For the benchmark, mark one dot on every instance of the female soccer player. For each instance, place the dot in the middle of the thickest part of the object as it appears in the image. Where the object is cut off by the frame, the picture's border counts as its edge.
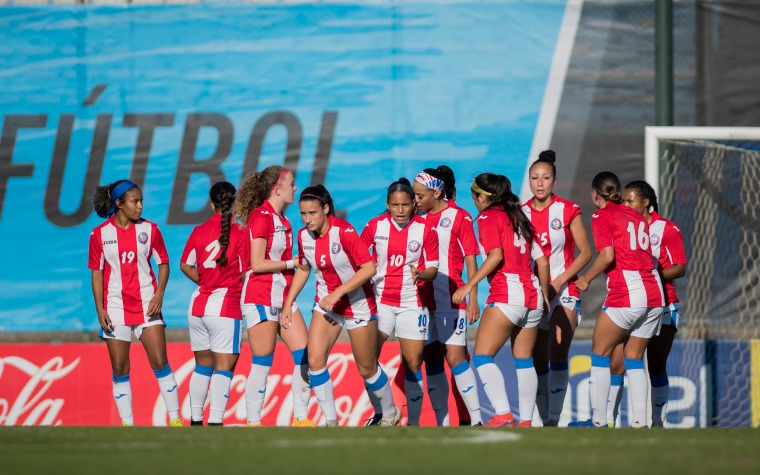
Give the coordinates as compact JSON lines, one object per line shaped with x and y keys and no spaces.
{"x":559,"y":230}
{"x":668,"y":250}
{"x":405,"y":250}
{"x":213,"y":258}
{"x":515,"y":303}
{"x":127,"y":296}
{"x":457,"y":248}
{"x":343,"y":268}
{"x":260,"y":205}
{"x":633,"y":307}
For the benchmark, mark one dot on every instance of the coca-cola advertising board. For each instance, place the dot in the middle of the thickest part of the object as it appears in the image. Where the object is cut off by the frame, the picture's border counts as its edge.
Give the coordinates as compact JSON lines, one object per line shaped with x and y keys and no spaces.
{"x":70,"y":384}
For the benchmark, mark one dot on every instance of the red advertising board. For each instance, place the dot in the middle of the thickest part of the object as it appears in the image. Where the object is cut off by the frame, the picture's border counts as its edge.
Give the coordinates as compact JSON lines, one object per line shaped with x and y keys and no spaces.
{"x":70,"y":384}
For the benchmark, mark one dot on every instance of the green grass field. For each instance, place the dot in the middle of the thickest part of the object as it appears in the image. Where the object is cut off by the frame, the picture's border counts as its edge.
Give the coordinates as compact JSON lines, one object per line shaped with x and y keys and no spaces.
{"x":361,"y":451}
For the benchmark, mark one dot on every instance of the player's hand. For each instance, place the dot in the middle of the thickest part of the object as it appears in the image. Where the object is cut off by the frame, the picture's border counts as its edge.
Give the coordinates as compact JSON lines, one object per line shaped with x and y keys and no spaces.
{"x":154,"y":307}
{"x":582,"y":283}
{"x":553,"y":290}
{"x":473,"y":311}
{"x":461,"y":294}
{"x":328,"y":302}
{"x":286,"y":317}
{"x":415,"y":273}
{"x":105,"y":321}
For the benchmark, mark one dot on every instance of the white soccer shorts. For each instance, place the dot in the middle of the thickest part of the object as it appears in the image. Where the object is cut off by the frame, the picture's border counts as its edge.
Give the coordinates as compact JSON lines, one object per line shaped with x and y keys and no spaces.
{"x":124,"y":332}
{"x":521,"y":316}
{"x":344,"y":322}
{"x":410,"y":323}
{"x":449,"y":327}
{"x":641,"y":322}
{"x":218,"y":334}
{"x":256,"y":313}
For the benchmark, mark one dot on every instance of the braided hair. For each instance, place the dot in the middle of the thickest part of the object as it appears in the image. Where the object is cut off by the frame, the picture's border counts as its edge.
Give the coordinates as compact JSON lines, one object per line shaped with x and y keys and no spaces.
{"x":646,"y":191}
{"x":222,"y":196}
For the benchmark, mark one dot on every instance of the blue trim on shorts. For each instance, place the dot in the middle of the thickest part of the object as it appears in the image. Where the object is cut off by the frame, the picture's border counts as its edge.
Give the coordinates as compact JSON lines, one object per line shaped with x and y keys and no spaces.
{"x":523,"y":363}
{"x":120,"y":379}
{"x":433,"y":369}
{"x":236,"y":340}
{"x":633,"y":364}
{"x":480,"y":360}
{"x":413,"y":377}
{"x":460,"y":368}
{"x":373,"y":317}
{"x":600,"y":361}
{"x":163,"y":372}
{"x":262,"y":312}
{"x":559,"y":366}
{"x":382,"y":380}
{"x":319,"y":379}
{"x":659,"y":380}
{"x":203,"y":370}
{"x":226,"y":374}
{"x":301,"y":357}
{"x":265,"y":360}
{"x":617,"y":379}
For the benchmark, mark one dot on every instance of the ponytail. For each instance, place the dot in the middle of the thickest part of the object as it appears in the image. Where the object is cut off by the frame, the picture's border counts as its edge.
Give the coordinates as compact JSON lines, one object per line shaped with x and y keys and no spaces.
{"x":255,"y":189}
{"x":222,"y":195}
{"x":498,"y":191}
{"x":607,"y":186}
{"x":105,"y":196}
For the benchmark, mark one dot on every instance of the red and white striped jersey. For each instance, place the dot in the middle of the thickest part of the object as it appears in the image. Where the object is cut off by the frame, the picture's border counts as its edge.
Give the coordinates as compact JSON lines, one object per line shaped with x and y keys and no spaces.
{"x":513,"y":281}
{"x":632,"y":280}
{"x":269,"y":288}
{"x":456,"y":240}
{"x":219,"y":288}
{"x":552,"y":225}
{"x":394,"y":249}
{"x":124,"y":257}
{"x":667,"y":249}
{"x":335,"y":258}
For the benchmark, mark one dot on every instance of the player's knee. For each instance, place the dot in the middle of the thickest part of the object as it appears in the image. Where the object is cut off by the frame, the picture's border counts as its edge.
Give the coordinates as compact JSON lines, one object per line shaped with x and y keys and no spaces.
{"x":367,"y":370}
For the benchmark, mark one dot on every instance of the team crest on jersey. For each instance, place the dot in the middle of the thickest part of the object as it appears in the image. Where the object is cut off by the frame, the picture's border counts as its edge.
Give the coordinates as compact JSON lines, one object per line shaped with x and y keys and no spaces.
{"x":414,"y":246}
{"x":556,"y":224}
{"x":142,"y":237}
{"x":335,"y":248}
{"x":654,"y":239}
{"x":445,"y":222}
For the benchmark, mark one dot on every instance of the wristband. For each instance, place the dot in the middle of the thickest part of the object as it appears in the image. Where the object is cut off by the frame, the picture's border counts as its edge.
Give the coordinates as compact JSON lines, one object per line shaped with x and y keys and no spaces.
{"x":289,"y":264}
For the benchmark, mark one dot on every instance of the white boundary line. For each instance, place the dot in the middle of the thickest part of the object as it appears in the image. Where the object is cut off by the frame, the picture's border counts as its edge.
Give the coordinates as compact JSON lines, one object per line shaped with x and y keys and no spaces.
{"x":653,"y":136}
{"x":555,"y":84}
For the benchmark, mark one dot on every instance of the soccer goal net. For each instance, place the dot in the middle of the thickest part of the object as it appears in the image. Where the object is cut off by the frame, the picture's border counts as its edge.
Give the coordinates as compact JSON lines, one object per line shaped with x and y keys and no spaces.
{"x":708,"y":182}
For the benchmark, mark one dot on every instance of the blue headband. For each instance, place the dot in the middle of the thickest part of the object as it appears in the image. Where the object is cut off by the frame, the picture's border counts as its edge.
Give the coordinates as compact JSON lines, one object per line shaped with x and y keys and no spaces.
{"x":117,"y":192}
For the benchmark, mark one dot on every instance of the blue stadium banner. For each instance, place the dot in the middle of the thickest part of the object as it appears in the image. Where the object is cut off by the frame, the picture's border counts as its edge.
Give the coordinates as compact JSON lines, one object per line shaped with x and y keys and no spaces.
{"x":352,"y":95}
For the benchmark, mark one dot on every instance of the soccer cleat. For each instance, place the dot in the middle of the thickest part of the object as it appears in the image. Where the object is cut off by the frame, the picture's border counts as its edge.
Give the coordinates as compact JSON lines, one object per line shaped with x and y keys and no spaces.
{"x":302,"y":423}
{"x":479,"y":424}
{"x":639,"y":425}
{"x":586,"y":423}
{"x":465,"y":422}
{"x":374,"y":420}
{"x":391,"y":421}
{"x":611,"y":425}
{"x":217,"y":424}
{"x":332,"y":423}
{"x":196,"y":423}
{"x":125,"y":424}
{"x":253,"y":424}
{"x":502,"y":420}
{"x":551,"y":423}
{"x":525,"y":424}
{"x":177,"y":423}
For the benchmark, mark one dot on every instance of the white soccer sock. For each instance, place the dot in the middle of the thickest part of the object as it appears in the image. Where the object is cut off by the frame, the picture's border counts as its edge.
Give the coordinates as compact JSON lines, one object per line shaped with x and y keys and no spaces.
{"x":599,"y":385}
{"x":199,"y":382}
{"x":414,"y":389}
{"x":526,"y":387}
{"x":299,"y":384}
{"x":468,"y":389}
{"x":637,"y":382}
{"x":493,"y":383}
{"x":542,"y":395}
{"x":122,"y":394}
{"x":380,"y":385}
{"x":219,"y":395}
{"x":558,"y":376}
{"x":256,"y":387}
{"x":660,"y":396}
{"x":438,"y":392}
{"x":615,"y":398}
{"x":168,"y":386}
{"x":323,"y":390}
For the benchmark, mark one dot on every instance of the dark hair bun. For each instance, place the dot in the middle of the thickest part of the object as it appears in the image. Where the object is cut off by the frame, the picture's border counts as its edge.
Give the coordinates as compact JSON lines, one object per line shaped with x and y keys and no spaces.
{"x":403,"y":181}
{"x":547,"y":156}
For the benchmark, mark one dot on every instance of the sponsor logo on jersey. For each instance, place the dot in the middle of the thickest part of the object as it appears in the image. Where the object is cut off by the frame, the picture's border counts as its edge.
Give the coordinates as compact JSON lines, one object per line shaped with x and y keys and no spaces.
{"x":335,"y":248}
{"x":445,"y":222}
{"x":556,"y":224}
{"x":280,"y":228}
{"x":654,"y":239}
{"x":109,"y":242}
{"x":308,"y":248}
{"x":414,"y":246}
{"x":381,"y":238}
{"x":142,"y":237}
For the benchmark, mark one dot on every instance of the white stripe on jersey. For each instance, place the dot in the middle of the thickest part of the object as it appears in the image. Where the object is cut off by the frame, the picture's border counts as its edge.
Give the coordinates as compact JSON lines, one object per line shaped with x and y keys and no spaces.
{"x":656,"y":228}
{"x":115,"y":302}
{"x":342,"y":265}
{"x":557,"y":239}
{"x":441,"y":288}
{"x":637,"y":294}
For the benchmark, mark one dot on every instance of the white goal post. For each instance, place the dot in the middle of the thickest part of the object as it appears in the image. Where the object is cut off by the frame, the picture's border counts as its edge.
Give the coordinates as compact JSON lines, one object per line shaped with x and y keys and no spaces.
{"x":654,"y":135}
